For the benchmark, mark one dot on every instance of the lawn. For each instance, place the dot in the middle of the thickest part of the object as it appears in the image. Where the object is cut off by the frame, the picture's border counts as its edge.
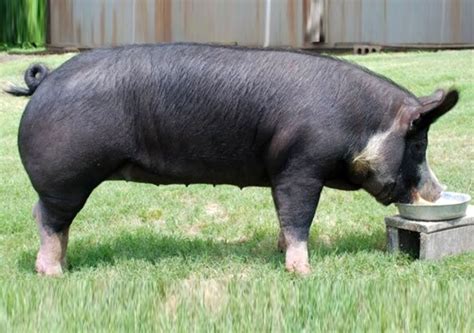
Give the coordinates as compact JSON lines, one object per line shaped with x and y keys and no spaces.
{"x":171,"y":258}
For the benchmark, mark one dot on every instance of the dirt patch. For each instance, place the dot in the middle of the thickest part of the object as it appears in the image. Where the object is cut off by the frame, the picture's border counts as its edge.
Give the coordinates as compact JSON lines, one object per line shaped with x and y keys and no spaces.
{"x":193,"y":230}
{"x":5,"y":57}
{"x":217,"y":211}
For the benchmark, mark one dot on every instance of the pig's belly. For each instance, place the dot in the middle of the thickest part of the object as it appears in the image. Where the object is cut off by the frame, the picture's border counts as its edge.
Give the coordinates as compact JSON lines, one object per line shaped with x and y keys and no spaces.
{"x":242,"y":175}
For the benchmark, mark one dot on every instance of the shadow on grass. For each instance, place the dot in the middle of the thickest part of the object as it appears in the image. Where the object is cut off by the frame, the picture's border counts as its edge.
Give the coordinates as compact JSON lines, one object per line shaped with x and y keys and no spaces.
{"x":151,"y":247}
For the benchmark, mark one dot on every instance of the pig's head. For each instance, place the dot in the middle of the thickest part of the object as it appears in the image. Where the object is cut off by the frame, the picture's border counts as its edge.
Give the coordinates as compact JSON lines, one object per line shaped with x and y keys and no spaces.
{"x":393,"y":166}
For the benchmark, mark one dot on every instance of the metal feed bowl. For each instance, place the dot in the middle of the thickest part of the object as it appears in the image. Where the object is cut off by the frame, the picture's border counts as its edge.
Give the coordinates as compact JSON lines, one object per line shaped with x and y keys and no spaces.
{"x":450,"y":205}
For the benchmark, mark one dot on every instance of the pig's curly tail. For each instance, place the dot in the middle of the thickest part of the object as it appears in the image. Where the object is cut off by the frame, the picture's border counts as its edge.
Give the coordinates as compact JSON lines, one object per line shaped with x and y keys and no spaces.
{"x":34,"y":75}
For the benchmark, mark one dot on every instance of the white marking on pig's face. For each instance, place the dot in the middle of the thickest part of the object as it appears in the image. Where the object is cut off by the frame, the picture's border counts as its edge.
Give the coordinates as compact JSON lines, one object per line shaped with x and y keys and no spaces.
{"x":378,"y":164}
{"x":371,"y":155}
{"x":382,"y":154}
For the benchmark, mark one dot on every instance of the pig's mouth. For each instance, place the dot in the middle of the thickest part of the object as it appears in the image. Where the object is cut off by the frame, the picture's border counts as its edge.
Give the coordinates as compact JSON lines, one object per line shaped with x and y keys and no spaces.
{"x":385,"y":196}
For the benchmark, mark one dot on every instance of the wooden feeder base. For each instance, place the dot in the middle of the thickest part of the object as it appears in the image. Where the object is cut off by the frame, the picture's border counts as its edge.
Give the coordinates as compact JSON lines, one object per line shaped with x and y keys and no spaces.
{"x":431,"y":240}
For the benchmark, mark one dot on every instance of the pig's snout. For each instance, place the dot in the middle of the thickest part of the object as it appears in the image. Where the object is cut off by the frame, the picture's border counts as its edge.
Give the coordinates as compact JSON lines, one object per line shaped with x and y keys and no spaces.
{"x":429,"y":191}
{"x":429,"y":188}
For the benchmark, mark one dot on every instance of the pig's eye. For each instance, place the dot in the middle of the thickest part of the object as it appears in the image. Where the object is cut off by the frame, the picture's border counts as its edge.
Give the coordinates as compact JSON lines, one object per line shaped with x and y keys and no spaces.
{"x":418,"y":146}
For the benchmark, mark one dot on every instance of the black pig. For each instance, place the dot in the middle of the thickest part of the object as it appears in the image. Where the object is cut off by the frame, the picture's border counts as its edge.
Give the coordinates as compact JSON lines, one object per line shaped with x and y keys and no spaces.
{"x":190,"y":113}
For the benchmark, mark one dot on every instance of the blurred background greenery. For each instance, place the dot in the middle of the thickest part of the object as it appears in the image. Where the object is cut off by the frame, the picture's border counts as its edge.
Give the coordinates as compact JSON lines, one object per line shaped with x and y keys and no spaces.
{"x":22,"y":23}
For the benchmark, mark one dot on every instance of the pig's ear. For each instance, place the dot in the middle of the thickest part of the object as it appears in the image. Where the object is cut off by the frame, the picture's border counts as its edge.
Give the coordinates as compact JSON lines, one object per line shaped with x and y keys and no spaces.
{"x":434,"y":106}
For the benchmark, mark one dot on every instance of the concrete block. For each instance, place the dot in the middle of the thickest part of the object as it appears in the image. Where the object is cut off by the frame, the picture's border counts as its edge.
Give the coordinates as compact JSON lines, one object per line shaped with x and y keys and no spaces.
{"x":431,"y":240}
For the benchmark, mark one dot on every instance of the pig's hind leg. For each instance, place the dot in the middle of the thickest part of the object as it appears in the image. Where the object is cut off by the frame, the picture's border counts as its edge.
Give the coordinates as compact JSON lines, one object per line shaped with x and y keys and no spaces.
{"x":296,"y":198}
{"x":54,"y":215}
{"x":63,"y":189}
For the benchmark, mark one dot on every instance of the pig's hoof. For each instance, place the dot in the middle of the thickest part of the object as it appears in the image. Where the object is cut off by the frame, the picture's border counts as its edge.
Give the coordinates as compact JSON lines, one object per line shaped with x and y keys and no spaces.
{"x":301,"y":269}
{"x":49,"y":269}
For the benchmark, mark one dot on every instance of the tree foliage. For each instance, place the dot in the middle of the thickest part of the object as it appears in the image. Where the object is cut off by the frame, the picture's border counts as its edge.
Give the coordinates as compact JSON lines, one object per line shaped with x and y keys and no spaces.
{"x":22,"y":23}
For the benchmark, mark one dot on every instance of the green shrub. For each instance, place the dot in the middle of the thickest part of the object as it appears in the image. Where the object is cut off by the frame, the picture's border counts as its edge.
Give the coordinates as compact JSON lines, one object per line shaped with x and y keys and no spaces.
{"x":22,"y":23}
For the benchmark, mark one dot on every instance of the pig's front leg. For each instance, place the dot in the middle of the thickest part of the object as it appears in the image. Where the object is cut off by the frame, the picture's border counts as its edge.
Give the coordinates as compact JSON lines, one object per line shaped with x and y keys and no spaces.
{"x":296,"y":199}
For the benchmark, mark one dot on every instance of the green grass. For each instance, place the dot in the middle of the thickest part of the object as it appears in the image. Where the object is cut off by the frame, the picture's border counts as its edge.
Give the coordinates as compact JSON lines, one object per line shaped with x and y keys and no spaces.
{"x":24,"y":50}
{"x":170,"y":258}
